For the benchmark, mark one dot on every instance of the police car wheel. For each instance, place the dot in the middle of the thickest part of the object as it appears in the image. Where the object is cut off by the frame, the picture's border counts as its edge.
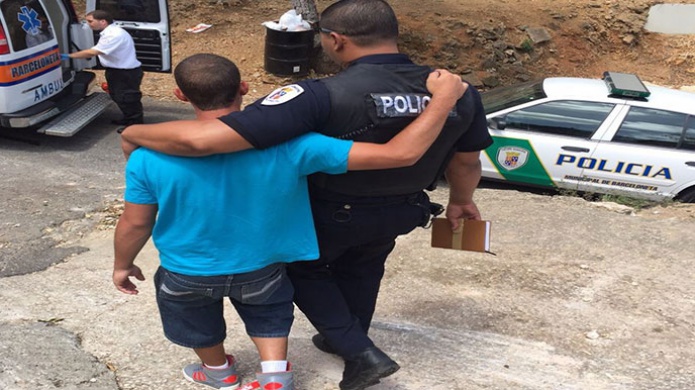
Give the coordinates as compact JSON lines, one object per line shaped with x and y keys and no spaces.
{"x":687,"y":196}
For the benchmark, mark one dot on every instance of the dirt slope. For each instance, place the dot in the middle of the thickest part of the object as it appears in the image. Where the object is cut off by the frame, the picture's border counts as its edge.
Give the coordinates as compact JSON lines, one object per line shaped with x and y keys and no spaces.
{"x":485,"y":41}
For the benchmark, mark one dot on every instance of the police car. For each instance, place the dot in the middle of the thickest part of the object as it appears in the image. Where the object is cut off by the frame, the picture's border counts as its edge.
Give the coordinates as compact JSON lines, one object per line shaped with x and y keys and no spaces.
{"x":609,"y":136}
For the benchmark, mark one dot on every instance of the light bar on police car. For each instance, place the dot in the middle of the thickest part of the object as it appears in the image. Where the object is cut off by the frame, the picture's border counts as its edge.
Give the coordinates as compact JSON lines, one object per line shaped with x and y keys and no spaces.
{"x":625,"y":85}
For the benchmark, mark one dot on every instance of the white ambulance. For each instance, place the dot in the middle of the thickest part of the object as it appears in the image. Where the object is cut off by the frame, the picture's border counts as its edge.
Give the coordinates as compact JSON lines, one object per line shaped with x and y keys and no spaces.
{"x":38,"y":91}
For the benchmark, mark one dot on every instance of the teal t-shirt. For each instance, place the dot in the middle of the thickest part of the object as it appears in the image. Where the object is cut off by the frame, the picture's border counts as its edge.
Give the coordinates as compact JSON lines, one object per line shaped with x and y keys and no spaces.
{"x":237,"y":212}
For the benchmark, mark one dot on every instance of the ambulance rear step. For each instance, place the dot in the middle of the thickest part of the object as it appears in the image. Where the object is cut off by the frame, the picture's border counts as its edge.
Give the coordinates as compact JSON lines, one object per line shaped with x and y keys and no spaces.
{"x":69,"y":123}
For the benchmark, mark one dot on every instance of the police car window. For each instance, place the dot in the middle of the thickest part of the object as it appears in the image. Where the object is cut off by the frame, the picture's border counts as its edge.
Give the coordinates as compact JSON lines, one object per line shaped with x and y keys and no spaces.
{"x":27,"y":24}
{"x":647,"y":126}
{"x":132,"y":10}
{"x":505,"y":97}
{"x":688,"y":142}
{"x":566,"y":117}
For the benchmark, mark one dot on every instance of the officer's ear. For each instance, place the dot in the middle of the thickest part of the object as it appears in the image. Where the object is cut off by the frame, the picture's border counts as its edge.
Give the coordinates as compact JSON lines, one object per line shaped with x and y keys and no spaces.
{"x":334,"y":41}
{"x":243,"y":88}
{"x":179,"y":95}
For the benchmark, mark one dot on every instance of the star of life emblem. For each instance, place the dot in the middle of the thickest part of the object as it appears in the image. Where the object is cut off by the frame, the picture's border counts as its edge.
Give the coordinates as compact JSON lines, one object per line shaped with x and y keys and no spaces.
{"x":30,"y":20}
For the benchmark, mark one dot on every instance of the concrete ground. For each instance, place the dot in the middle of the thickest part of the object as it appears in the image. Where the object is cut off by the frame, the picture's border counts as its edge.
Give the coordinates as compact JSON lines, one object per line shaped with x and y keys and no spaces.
{"x":577,"y":297}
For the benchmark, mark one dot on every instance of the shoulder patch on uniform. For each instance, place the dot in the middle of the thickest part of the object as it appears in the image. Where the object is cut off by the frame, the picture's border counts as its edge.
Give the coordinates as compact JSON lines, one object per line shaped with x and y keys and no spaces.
{"x":283,"y":95}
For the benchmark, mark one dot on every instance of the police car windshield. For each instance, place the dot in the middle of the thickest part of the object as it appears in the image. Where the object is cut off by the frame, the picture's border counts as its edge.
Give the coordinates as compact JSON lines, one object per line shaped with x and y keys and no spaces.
{"x":505,"y":97}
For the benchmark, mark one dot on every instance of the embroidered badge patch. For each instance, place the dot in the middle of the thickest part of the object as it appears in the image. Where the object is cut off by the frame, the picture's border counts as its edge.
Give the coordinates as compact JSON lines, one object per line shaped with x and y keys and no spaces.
{"x":282,"y":95}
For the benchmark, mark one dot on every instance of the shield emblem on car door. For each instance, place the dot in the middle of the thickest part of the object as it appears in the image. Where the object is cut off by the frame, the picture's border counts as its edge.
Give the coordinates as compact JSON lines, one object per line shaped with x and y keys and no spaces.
{"x":512,"y":157}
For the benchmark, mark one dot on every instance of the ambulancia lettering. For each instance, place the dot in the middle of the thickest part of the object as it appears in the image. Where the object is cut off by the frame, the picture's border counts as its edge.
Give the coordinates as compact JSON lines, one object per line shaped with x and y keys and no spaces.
{"x":625,"y":168}
{"x":48,"y":89}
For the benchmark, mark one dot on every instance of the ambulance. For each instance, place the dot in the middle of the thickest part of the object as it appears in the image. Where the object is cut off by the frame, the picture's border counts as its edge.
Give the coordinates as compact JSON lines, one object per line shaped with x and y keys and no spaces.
{"x":42,"y":93}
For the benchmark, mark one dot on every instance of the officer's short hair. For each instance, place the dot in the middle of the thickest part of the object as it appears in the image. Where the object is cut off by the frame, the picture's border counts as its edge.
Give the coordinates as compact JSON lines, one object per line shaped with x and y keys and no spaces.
{"x":366,"y":22}
{"x":209,"y":81}
{"x":100,"y":14}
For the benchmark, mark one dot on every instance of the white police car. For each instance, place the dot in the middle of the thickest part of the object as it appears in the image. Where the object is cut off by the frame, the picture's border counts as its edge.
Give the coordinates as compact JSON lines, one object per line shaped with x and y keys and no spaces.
{"x":610,"y":136}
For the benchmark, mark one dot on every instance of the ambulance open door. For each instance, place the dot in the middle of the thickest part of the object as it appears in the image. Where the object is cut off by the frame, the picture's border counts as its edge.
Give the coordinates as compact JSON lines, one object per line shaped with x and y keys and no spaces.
{"x":147,"y":21}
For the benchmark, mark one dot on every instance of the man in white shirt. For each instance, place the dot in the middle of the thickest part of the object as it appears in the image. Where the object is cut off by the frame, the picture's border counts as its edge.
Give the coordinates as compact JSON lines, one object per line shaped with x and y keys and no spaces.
{"x":116,"y":52}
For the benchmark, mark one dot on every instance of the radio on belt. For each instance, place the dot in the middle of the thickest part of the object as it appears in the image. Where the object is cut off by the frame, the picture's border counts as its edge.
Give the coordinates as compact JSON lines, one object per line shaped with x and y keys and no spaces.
{"x":625,"y":85}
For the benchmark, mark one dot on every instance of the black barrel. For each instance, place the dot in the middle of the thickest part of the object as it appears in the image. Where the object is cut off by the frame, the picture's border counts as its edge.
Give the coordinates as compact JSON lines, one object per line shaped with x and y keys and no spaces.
{"x":287,"y":53}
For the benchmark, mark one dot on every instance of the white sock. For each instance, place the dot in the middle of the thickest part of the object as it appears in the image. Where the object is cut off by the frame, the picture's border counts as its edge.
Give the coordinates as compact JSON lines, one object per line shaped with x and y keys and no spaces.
{"x":274,"y":366}
{"x":222,"y":367}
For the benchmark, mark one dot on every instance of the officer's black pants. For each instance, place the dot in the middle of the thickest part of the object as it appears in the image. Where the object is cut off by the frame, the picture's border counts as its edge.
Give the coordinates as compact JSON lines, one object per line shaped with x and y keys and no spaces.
{"x":124,"y":88}
{"x":338,"y":292}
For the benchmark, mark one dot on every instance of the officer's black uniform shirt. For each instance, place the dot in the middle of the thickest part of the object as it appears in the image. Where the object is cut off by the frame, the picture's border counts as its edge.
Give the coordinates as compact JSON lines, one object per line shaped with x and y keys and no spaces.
{"x":267,"y":125}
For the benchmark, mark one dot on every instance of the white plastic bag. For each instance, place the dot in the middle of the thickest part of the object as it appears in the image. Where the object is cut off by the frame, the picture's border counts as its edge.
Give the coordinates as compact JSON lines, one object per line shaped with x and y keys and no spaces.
{"x":289,"y":21}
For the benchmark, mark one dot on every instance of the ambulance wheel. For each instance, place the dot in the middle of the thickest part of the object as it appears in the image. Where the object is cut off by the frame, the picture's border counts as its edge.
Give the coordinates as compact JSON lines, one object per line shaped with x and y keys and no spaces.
{"x":687,"y":196}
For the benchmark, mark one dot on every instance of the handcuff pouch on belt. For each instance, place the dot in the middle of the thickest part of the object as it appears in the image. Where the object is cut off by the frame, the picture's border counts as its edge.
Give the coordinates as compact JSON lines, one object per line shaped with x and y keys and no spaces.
{"x":430,"y":209}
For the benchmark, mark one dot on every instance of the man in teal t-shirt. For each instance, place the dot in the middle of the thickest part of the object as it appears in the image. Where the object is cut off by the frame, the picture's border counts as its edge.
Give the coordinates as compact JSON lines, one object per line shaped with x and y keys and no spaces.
{"x":250,"y":208}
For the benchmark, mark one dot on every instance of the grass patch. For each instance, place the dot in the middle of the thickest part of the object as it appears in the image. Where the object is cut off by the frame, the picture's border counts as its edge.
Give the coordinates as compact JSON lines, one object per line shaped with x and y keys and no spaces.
{"x":526,"y":46}
{"x":635,"y":203}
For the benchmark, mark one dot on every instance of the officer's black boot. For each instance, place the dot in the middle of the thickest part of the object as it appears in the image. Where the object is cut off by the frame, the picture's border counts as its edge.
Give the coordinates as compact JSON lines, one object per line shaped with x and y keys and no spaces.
{"x":366,"y":368}
{"x":321,"y":344}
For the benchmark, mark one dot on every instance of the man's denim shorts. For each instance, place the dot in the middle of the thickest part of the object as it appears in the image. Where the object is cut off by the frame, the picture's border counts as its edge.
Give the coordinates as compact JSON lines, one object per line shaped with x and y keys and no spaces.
{"x":192,"y":307}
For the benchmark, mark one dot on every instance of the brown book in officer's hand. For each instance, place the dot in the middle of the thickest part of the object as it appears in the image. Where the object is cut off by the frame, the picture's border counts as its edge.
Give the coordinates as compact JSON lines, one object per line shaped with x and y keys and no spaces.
{"x":471,"y":235}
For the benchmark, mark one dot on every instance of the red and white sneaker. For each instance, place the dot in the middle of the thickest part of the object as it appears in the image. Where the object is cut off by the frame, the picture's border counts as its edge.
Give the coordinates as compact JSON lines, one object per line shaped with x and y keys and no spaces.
{"x":283,"y":380}
{"x":251,"y":386}
{"x":225,"y":379}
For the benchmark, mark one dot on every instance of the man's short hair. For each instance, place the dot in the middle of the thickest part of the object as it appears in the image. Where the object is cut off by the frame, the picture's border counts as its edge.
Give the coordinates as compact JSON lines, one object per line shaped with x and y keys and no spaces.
{"x":100,"y":14}
{"x":366,"y":22}
{"x":208,"y":81}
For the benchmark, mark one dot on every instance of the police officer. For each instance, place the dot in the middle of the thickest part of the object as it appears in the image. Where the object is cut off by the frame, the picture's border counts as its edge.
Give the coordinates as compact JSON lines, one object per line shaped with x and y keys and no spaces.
{"x":357,"y":215}
{"x":116,"y":51}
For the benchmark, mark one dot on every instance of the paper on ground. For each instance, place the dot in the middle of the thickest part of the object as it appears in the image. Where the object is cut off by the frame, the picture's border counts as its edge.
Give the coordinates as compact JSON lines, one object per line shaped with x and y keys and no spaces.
{"x":200,"y":27}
